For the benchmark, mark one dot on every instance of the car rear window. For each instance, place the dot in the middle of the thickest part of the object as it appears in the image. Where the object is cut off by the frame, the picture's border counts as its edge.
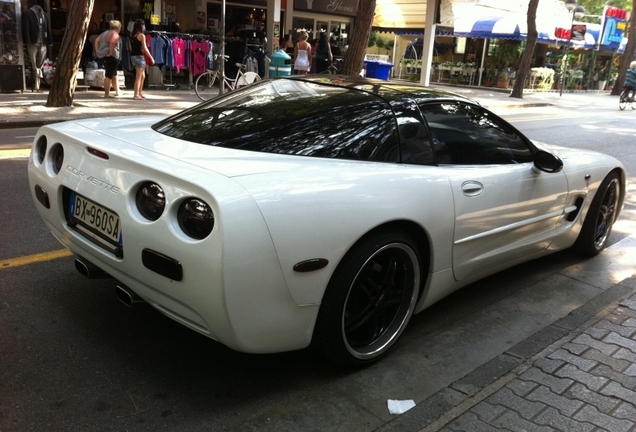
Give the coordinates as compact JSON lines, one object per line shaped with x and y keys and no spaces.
{"x":292,"y":117}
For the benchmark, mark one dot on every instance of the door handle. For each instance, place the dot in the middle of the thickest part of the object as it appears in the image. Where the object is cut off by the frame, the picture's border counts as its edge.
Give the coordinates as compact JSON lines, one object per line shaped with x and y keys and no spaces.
{"x":472,"y":188}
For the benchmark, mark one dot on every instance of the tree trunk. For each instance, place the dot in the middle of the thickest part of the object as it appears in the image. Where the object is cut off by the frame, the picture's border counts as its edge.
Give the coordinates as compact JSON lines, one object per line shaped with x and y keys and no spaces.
{"x":63,"y":86}
{"x":526,"y":58}
{"x":359,"y":39}
{"x":628,"y":55}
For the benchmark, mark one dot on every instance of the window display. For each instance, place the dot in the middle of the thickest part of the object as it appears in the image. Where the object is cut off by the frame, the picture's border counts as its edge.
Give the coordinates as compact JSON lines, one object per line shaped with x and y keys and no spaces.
{"x":9,"y":43}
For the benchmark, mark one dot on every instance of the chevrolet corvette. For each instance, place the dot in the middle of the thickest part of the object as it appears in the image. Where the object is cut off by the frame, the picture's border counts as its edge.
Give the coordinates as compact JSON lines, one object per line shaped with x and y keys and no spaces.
{"x":315,"y":211}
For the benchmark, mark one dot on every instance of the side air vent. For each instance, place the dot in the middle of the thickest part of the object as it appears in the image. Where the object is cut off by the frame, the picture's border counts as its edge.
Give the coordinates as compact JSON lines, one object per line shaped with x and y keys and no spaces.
{"x":574,"y":213}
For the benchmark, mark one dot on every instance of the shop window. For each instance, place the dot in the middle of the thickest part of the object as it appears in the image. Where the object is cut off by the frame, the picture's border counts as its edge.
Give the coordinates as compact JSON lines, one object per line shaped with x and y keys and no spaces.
{"x":460,"y":45}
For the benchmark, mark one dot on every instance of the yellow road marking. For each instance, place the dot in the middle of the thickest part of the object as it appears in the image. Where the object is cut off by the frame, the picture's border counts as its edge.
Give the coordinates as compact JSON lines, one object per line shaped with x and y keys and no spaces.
{"x":15,"y":153}
{"x":30,"y":259}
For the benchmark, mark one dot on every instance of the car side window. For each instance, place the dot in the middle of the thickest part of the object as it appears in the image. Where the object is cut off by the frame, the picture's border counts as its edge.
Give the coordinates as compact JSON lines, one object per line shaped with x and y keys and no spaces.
{"x":465,"y":134}
{"x":415,"y":143}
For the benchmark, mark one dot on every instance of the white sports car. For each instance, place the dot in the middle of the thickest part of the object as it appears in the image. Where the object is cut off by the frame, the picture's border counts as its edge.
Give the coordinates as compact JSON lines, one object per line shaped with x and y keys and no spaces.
{"x":319,"y":211}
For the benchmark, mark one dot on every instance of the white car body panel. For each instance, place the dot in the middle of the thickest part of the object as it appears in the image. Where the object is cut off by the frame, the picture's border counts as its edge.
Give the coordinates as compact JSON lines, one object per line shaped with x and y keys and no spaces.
{"x":273,"y":211}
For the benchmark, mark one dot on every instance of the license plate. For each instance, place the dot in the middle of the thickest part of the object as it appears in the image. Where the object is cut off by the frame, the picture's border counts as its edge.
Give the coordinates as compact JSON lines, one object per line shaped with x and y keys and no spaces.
{"x":99,"y":220}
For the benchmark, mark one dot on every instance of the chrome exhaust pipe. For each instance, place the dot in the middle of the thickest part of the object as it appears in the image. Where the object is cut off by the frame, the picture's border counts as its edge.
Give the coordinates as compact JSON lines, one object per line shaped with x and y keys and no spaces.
{"x":127,"y":296}
{"x":90,"y":270}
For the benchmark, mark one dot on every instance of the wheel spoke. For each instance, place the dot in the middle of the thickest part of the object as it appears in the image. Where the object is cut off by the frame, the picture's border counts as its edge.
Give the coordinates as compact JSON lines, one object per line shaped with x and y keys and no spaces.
{"x":605,"y":215}
{"x":376,"y":302}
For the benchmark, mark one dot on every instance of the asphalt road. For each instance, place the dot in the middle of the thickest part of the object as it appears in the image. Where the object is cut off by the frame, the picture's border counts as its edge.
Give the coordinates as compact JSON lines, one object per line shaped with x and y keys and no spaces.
{"x":74,"y":358}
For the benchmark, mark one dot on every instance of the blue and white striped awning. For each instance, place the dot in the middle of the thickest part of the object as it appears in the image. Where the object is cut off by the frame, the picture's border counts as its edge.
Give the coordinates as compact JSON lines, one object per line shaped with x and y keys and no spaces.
{"x":516,"y":28}
{"x":499,"y":27}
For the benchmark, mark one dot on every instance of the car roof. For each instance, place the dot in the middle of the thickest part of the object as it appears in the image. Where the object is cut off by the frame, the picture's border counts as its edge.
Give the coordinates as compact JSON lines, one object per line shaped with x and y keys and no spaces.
{"x":388,"y":90}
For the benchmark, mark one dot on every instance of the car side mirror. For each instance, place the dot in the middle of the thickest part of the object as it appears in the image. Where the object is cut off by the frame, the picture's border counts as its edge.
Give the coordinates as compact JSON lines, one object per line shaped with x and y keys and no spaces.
{"x":547,"y":162}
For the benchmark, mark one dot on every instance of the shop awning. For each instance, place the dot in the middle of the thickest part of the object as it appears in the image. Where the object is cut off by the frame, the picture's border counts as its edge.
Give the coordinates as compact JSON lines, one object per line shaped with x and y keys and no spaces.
{"x":473,"y":21}
{"x":499,"y":27}
{"x":439,"y":31}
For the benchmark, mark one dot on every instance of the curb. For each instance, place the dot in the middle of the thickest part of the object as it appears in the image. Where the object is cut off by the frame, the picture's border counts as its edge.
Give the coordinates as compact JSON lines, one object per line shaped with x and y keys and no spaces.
{"x":28,"y":123}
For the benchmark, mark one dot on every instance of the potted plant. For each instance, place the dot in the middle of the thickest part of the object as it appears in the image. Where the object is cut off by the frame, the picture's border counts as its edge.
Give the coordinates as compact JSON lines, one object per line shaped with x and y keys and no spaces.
{"x":504,"y":56}
{"x":602,"y":78}
{"x":491,"y":76}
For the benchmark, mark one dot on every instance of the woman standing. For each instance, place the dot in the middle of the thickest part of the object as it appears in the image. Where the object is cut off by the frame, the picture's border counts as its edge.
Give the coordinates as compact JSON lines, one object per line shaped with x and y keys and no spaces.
{"x":108,"y":48}
{"x":323,"y":53}
{"x":138,"y":48}
{"x":302,"y":54}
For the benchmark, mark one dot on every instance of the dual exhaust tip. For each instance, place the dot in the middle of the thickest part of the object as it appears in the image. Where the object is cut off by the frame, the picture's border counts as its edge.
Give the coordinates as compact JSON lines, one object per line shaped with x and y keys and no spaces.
{"x":122,"y":292}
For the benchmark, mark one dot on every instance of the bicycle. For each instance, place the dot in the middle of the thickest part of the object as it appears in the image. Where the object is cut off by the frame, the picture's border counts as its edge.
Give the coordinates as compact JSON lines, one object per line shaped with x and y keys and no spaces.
{"x":211,"y":78}
{"x":334,"y":67}
{"x":626,"y":97}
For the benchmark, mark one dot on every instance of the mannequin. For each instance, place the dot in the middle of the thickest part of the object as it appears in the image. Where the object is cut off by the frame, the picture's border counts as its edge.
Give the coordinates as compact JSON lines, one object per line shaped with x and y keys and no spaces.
{"x":37,"y":37}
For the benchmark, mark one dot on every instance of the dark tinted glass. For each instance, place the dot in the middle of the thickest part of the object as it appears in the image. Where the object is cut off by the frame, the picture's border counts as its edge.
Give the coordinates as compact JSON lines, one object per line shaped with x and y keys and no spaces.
{"x":292,"y":117}
{"x":469,"y":135}
{"x":415,"y":145}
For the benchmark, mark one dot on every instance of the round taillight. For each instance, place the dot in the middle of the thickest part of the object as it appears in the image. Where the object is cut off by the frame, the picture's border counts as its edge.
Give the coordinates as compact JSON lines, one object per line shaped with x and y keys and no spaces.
{"x":195,"y":218}
{"x":57,"y":157}
{"x":151,"y":201}
{"x":40,"y":149}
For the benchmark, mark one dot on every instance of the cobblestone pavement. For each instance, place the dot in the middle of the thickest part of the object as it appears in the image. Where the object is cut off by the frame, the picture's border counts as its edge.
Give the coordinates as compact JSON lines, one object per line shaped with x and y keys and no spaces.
{"x":586,"y":384}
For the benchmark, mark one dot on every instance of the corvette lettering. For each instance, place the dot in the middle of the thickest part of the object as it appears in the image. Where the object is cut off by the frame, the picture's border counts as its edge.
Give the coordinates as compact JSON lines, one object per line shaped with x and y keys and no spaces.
{"x":89,"y":178}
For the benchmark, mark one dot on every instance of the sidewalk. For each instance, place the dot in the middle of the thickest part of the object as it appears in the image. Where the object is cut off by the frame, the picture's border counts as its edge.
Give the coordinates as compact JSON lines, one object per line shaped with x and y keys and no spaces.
{"x":28,"y":109}
{"x":578,"y":374}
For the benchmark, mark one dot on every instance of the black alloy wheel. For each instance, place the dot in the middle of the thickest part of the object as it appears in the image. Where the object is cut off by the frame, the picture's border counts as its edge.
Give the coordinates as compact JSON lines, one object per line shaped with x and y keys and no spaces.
{"x":600,"y":218}
{"x":369,"y":300}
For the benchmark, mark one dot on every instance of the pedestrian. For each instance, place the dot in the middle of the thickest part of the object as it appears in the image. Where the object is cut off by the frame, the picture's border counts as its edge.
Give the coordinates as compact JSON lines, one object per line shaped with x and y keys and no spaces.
{"x":630,"y":79}
{"x":287,"y":45}
{"x":323,"y":54}
{"x":302,"y":54}
{"x":108,"y":48}
{"x":138,"y":48}
{"x":335,"y":50}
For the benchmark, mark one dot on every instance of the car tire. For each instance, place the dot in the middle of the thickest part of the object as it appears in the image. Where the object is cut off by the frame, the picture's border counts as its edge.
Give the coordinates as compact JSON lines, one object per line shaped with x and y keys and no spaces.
{"x":369,"y":300}
{"x":600,"y":218}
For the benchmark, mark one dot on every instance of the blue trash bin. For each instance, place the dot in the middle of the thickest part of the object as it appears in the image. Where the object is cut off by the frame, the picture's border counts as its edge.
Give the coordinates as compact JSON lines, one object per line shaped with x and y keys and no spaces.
{"x":372,"y":68}
{"x":280,"y":64}
{"x":383,"y":70}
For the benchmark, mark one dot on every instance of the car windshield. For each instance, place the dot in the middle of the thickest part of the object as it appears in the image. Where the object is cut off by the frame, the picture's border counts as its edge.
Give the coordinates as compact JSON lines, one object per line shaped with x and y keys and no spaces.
{"x":293,"y":117}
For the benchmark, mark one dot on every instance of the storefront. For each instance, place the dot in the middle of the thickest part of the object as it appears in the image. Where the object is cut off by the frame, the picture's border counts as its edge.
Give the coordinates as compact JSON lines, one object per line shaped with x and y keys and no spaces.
{"x":11,"y":50}
{"x":247,"y":20}
{"x":316,"y":16}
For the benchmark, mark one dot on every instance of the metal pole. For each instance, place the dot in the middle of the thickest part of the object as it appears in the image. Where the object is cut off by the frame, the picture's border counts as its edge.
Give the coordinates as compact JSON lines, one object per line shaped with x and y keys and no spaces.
{"x":565,"y":57}
{"x":484,"y":51}
{"x":565,"y":68}
{"x":222,"y":59}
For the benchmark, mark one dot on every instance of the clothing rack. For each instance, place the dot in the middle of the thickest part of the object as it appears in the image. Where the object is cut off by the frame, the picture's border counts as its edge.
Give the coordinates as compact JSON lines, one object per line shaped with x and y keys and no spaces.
{"x":186,"y":36}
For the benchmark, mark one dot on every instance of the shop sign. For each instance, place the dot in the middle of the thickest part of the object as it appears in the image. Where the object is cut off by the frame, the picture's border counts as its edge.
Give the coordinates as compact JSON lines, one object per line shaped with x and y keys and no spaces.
{"x":615,"y":26}
{"x":333,"y":7}
{"x":578,"y":32}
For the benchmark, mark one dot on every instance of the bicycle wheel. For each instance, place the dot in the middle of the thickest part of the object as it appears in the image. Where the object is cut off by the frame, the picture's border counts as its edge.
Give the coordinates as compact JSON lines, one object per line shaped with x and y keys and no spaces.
{"x":204,"y":85}
{"x":631,"y":101}
{"x":622,"y":101}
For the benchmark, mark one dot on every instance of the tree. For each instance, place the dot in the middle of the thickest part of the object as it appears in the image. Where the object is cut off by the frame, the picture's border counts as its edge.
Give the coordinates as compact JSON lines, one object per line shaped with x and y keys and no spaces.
{"x":373,"y":37}
{"x":628,"y":55}
{"x":526,"y":59}
{"x":594,"y":8}
{"x":388,"y":46}
{"x":360,"y":38}
{"x":63,"y":86}
{"x":380,"y":43}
